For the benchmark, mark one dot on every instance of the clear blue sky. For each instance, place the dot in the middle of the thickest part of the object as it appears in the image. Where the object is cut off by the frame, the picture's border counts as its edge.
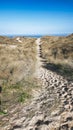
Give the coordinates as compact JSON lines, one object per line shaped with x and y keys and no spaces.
{"x":36,"y":16}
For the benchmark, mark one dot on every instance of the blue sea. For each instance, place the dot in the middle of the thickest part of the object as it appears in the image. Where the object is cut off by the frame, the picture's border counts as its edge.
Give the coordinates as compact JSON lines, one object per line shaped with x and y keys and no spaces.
{"x":36,"y":36}
{"x":33,"y":36}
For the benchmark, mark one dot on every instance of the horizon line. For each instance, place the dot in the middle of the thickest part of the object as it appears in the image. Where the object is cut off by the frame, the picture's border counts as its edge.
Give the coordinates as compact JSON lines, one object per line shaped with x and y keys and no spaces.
{"x":35,"y":34}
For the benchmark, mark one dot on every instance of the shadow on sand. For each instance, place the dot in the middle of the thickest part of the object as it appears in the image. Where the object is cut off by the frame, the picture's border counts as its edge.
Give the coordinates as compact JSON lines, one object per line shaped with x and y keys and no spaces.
{"x":63,"y":70}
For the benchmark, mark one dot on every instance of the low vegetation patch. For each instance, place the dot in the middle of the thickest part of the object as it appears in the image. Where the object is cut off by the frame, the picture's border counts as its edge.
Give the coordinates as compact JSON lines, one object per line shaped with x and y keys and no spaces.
{"x":17,"y":93}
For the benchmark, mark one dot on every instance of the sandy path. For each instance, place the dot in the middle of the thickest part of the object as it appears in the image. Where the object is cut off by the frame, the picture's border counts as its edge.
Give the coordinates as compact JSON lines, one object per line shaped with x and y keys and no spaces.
{"x":18,"y":39}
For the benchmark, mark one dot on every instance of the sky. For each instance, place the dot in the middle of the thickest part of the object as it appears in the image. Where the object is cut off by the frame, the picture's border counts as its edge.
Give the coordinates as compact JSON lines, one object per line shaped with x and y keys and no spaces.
{"x":36,"y":17}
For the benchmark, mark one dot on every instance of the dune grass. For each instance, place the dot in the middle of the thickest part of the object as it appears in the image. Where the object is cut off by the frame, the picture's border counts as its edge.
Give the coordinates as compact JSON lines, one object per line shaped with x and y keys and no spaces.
{"x":58,"y":53}
{"x":17,"y":66}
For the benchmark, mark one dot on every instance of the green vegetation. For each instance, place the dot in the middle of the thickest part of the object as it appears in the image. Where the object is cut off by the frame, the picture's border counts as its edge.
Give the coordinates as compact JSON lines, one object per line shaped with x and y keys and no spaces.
{"x":17,"y":93}
{"x":3,"y":113}
{"x":23,"y":97}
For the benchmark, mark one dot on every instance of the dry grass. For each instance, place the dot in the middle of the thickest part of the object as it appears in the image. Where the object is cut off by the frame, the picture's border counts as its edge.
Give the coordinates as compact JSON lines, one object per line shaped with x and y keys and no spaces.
{"x":17,"y":67}
{"x":17,"y":59}
{"x":58,"y":47}
{"x":58,"y":51}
